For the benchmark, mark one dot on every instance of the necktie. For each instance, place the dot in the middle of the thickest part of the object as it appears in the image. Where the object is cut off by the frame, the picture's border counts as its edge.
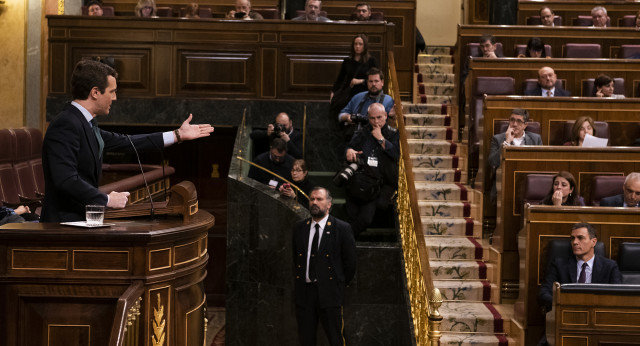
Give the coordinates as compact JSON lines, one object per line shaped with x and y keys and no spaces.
{"x":96,"y":130}
{"x":314,"y":254}
{"x":549,"y":93}
{"x":583,"y":274}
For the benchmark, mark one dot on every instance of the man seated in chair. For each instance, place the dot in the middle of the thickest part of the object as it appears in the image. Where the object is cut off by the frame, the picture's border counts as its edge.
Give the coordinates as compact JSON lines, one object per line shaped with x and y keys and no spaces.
{"x":363,"y":12}
{"x":312,"y":10}
{"x":583,"y":267}
{"x":547,"y":84}
{"x":631,"y":195}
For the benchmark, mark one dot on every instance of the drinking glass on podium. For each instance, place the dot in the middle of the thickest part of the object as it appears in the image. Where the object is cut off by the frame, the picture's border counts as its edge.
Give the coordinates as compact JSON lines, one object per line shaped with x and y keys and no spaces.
{"x":95,"y":214}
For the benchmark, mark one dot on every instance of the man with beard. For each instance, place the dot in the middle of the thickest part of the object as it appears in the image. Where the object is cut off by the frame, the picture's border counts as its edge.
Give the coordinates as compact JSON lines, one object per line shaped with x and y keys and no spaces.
{"x":275,"y":160}
{"x":281,"y":128}
{"x":312,"y":10}
{"x":363,"y":12}
{"x":324,"y":258}
{"x":360,"y":102}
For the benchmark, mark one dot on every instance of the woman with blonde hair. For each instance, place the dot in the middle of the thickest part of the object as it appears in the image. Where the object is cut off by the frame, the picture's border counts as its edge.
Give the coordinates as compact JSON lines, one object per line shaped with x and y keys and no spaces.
{"x":146,"y":8}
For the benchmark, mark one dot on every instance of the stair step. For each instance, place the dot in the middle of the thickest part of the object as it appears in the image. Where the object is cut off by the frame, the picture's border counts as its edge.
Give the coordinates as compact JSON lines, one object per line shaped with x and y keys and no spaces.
{"x":433,"y":68}
{"x":423,"y":108}
{"x":451,"y":175}
{"x":454,"y":248}
{"x":444,"y":99}
{"x":445,"y":209}
{"x":470,"y":317}
{"x":460,"y":270}
{"x":475,"y":339}
{"x":434,"y":226}
{"x":432,"y":132}
{"x":466,"y":290}
{"x":437,"y":191}
{"x":435,"y":50}
{"x":434,"y":147}
{"x":422,"y":162}
{"x":435,"y":89}
{"x":434,"y":78}
{"x":434,"y":59}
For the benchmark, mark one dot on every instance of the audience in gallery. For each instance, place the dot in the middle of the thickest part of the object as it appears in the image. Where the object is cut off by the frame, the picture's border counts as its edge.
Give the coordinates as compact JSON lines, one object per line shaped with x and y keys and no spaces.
{"x":352,"y":78}
{"x":547,"y":16}
{"x":547,"y":84}
{"x":563,"y":191}
{"x":300,"y":178}
{"x":630,"y":196}
{"x":281,"y":128}
{"x":146,"y":8}
{"x":192,"y":11}
{"x":604,"y":86}
{"x":535,"y":49}
{"x":312,"y":10}
{"x":599,"y":17}
{"x":94,"y":8}
{"x":243,"y":11}
{"x":581,"y":127}
{"x":488,"y":47}
{"x":275,"y":160}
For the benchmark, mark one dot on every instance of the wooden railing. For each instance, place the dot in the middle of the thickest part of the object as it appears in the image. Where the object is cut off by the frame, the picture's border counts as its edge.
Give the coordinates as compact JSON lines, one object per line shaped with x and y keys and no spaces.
{"x":424,"y":299}
{"x":126,"y":324}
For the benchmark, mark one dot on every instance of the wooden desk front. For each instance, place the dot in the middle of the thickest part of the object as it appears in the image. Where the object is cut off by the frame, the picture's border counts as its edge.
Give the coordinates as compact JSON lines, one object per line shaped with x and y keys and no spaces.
{"x":570,"y":10}
{"x":172,"y":57}
{"x":544,"y":223}
{"x":517,"y":162}
{"x":59,"y":285}
{"x":552,"y":113}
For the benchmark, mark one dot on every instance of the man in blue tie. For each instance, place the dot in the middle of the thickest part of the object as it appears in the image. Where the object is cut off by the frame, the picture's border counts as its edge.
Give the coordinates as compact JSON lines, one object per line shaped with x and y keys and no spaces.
{"x":324,"y":258}
{"x":583,"y":267}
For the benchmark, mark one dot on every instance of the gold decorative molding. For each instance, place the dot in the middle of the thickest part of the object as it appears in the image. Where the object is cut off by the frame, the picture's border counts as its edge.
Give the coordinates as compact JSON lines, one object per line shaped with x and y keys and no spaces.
{"x":159,"y":324}
{"x":60,"y":7}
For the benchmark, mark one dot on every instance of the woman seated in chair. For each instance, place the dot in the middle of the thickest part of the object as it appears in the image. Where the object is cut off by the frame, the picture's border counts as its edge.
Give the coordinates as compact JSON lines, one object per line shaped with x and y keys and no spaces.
{"x":563,"y":191}
{"x":584,"y":125}
{"x":299,"y":173}
{"x":146,"y":8}
{"x":604,"y":87}
{"x":535,"y":49}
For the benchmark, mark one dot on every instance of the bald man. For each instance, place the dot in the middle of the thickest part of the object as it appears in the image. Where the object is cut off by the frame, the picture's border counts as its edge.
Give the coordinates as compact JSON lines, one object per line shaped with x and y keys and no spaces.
{"x":282,"y":128}
{"x":547,"y":85}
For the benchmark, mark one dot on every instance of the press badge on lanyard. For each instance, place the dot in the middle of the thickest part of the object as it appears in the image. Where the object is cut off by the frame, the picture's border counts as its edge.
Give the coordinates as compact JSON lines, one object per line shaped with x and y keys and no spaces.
{"x":372,"y":161}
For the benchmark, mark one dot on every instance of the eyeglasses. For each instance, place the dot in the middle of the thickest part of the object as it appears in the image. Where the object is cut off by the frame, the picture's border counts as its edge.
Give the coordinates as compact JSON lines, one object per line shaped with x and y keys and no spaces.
{"x":516,"y":121}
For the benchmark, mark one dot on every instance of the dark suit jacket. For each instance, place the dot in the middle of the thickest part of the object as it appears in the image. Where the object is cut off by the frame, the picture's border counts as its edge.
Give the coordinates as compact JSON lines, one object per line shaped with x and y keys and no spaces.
{"x":336,"y":264}
{"x":261,"y":143}
{"x":530,"y":138}
{"x":283,"y":169}
{"x":565,"y":270}
{"x":613,"y":201}
{"x":538,"y":92}
{"x":72,"y":164}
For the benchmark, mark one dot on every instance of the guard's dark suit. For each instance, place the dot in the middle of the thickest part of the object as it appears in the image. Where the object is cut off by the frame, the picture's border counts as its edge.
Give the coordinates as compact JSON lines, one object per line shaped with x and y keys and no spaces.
{"x":72,"y":164}
{"x":335,"y":268}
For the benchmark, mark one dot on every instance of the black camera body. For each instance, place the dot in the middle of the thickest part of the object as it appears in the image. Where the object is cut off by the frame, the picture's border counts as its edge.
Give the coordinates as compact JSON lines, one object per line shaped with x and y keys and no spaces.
{"x":346,"y":173}
{"x":359,"y":119}
{"x":278,"y":129}
{"x":239,"y":15}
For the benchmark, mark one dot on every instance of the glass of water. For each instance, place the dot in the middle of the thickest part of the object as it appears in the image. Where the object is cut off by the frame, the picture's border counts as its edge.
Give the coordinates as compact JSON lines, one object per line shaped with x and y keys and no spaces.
{"x":95,"y":214}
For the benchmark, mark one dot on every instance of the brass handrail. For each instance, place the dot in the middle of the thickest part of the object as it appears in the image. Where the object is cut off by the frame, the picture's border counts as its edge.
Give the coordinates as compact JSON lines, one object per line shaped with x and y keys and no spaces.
{"x":424,"y":311}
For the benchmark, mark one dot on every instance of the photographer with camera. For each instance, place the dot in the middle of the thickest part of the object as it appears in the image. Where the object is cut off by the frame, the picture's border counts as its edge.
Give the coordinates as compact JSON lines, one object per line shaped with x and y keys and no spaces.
{"x":281,"y":128}
{"x":243,"y":11}
{"x":372,"y":177}
{"x":275,"y":160}
{"x":355,"y":112}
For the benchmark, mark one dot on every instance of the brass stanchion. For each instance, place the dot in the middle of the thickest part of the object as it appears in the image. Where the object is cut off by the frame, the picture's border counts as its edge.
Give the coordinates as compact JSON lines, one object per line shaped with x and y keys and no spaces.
{"x":435,"y":319}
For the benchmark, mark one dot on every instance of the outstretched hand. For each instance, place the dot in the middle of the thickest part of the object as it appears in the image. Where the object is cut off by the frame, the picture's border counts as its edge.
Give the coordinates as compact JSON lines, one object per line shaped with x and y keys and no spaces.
{"x":189,"y":132}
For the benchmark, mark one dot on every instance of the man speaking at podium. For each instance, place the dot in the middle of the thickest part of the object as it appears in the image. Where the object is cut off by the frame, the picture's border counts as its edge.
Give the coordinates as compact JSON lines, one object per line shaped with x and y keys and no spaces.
{"x":73,"y":145}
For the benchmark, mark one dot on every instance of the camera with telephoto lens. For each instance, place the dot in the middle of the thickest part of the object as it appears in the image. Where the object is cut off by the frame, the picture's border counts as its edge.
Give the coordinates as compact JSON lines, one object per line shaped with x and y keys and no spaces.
{"x":359,"y":119}
{"x":239,"y":15}
{"x":346,"y":173}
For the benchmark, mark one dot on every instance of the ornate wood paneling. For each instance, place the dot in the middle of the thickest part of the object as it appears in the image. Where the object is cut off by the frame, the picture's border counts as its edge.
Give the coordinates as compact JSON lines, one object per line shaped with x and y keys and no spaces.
{"x":212,"y":58}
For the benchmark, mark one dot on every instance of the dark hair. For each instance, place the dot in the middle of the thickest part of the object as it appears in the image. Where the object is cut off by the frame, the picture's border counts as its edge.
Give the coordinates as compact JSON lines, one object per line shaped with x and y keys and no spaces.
{"x":601,"y":81}
{"x":572,"y":199}
{"x":279,"y":144}
{"x":301,"y":163}
{"x":535,"y":44}
{"x":94,"y":2}
{"x":316,"y":188}
{"x":89,"y":74}
{"x":545,"y":7}
{"x":522,"y":112}
{"x":637,"y":15}
{"x":364,"y":57}
{"x":588,"y":226}
{"x":363,"y":4}
{"x":575,"y":130}
{"x":487,"y":37}
{"x":375,"y":71}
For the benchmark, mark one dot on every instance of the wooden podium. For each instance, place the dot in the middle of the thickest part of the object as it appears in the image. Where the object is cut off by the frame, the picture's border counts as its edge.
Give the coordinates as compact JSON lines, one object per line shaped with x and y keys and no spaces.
{"x":138,"y":282}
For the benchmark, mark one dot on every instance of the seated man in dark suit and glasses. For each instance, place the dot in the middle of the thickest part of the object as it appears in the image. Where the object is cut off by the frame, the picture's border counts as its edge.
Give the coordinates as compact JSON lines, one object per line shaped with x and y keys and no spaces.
{"x":631,"y":195}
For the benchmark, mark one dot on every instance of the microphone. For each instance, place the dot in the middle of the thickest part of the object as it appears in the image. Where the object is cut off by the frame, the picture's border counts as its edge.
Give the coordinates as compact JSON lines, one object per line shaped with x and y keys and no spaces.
{"x":143,"y":177}
{"x":164,"y":176}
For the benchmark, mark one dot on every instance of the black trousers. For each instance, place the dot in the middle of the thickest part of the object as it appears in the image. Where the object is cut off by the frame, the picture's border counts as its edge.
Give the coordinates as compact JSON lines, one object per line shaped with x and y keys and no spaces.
{"x":361,"y":213}
{"x":308,"y":316}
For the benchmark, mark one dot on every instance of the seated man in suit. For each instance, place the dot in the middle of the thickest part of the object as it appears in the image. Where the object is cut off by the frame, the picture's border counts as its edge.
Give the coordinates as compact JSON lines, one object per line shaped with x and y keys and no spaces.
{"x":547,"y":16}
{"x":583,"y":267}
{"x":514,"y":135}
{"x":631,"y":195}
{"x":547,"y":84}
{"x":599,"y":17}
{"x":312,"y":10}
